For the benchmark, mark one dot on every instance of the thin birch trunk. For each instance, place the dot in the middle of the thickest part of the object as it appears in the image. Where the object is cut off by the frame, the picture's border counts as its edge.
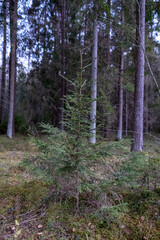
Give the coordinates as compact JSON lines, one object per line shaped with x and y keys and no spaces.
{"x":3,"y":83}
{"x":94,"y":84}
{"x":137,"y":144}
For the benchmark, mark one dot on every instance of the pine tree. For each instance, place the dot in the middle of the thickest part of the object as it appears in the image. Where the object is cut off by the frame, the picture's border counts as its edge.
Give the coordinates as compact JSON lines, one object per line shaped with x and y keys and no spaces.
{"x":121,"y":69}
{"x":3,"y":82}
{"x":139,"y":81}
{"x":13,"y":37}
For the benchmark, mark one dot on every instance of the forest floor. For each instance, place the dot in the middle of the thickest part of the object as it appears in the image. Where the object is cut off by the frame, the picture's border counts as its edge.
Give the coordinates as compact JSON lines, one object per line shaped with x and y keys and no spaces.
{"x":27,"y":210}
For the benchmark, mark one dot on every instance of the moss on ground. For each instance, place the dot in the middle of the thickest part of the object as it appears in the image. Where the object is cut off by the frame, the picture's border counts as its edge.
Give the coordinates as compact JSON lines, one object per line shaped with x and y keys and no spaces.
{"x":29,"y":209}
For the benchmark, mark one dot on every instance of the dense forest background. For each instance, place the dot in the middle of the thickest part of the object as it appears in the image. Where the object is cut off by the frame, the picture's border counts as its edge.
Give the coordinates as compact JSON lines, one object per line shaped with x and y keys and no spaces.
{"x":46,"y":44}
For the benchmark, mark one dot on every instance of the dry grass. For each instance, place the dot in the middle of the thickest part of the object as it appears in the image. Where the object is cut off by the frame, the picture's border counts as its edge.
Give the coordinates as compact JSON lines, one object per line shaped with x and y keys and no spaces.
{"x":27,"y":211}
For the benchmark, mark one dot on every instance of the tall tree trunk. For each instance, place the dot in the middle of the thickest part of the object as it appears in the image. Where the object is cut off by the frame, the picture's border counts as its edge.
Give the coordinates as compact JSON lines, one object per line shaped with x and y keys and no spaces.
{"x":3,"y":82}
{"x":45,"y":31}
{"x":121,"y":69}
{"x":62,"y":83}
{"x":108,"y":28}
{"x":137,"y":144}
{"x":94,"y":84}
{"x":108,"y":34}
{"x":120,"y":122}
{"x":13,"y":36}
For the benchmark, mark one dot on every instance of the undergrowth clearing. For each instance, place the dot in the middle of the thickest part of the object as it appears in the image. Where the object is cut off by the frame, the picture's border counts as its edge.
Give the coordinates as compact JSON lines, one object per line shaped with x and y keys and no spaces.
{"x":128,"y":208}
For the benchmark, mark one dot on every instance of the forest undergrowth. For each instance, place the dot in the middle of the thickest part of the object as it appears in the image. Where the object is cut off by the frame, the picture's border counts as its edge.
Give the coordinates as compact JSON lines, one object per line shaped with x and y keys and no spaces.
{"x":123,"y":204}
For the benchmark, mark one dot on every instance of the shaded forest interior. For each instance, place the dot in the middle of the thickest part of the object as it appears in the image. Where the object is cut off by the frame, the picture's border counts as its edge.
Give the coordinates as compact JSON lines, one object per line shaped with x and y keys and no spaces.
{"x":82,"y":79}
{"x":54,"y":42}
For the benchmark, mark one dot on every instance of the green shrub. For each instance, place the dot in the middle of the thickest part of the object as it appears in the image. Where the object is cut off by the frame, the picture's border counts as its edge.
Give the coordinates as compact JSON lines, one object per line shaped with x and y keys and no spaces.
{"x":139,"y":171}
{"x":108,"y":214}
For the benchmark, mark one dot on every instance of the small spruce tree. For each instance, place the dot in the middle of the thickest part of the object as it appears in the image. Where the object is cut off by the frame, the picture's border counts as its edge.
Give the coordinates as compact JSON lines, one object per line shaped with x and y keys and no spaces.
{"x":66,"y":158}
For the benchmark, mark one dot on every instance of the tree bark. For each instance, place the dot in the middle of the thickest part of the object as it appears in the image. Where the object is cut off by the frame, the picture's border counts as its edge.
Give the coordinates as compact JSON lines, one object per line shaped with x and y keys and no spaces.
{"x":13,"y":36}
{"x":108,"y":28}
{"x":121,"y":69}
{"x":108,"y":34}
{"x":137,"y":144}
{"x":120,"y":125}
{"x":62,"y":83}
{"x":3,"y":82}
{"x":94,"y":84}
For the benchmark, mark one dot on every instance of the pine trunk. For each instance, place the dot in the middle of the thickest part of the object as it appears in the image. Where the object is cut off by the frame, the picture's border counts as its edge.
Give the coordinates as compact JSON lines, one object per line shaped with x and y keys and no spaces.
{"x":13,"y":36}
{"x":120,"y":125}
{"x":121,"y":69}
{"x":108,"y":28}
{"x":137,"y":144}
{"x":3,"y":83}
{"x":108,"y":34}
{"x":62,"y":83}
